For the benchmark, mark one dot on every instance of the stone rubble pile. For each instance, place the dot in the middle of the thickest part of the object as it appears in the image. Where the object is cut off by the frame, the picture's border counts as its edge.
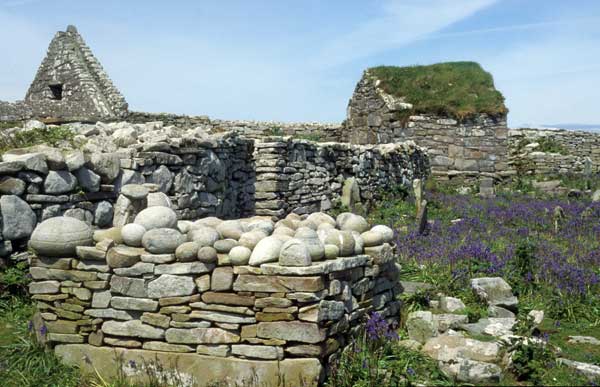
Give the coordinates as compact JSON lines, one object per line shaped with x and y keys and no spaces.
{"x":249,"y":288}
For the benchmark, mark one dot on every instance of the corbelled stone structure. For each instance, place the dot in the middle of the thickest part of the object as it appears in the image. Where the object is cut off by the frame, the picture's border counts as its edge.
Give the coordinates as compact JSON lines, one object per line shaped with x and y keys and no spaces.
{"x":70,"y":85}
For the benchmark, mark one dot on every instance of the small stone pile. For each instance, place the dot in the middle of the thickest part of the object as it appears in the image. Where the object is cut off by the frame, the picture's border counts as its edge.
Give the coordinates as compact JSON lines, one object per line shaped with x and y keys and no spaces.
{"x":225,"y":289}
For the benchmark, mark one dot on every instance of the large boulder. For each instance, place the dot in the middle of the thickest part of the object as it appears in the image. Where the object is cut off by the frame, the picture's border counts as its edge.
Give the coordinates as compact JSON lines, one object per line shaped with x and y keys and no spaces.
{"x":157,"y":217}
{"x":18,"y":219}
{"x":58,"y":237}
{"x":496,"y":291}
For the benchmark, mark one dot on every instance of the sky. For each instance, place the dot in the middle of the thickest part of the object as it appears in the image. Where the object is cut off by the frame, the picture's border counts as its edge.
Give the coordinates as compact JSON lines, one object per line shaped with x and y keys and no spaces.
{"x":300,"y":60}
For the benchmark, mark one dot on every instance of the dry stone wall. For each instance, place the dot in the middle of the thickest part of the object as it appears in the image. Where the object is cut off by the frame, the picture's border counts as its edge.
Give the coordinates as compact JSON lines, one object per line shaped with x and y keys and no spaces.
{"x":576,"y":152}
{"x":291,"y":291}
{"x":303,"y":177}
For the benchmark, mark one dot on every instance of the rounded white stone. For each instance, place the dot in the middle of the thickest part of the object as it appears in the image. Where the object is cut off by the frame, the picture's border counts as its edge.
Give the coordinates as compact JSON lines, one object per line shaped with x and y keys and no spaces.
{"x":240,"y":255}
{"x":250,"y":239}
{"x":230,"y":229}
{"x":157,"y":217}
{"x":58,"y":237}
{"x":319,"y":218}
{"x":204,"y":236}
{"x":162,"y":240}
{"x":348,"y":221}
{"x":385,"y":231}
{"x":267,"y":250}
{"x":372,"y":238}
{"x":207,"y":254}
{"x":132,"y":234}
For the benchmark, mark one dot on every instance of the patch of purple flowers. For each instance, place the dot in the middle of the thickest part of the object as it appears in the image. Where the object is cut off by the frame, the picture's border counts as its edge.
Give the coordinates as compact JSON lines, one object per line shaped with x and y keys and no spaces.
{"x":485,"y":240}
{"x":377,"y":328}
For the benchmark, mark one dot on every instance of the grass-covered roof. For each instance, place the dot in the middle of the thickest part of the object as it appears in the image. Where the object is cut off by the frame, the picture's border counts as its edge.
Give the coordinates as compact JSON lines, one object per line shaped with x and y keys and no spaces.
{"x":455,"y":89}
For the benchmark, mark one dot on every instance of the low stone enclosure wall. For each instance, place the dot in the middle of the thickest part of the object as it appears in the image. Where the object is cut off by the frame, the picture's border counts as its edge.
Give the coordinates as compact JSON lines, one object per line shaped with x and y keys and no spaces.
{"x":574,"y":150}
{"x":233,"y":301}
{"x":194,"y":172}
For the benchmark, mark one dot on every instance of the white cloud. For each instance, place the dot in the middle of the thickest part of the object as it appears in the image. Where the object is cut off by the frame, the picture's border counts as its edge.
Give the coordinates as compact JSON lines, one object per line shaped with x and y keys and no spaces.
{"x":402,"y":22}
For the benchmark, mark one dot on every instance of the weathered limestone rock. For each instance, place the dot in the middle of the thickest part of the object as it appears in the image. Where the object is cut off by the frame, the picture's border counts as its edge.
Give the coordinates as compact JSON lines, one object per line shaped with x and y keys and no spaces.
{"x":132,"y":287}
{"x":44,"y":287}
{"x":420,"y":326}
{"x":294,"y":253}
{"x":451,"y":304}
{"x":291,"y":330}
{"x":18,"y":220}
{"x":123,"y":256}
{"x":59,"y":236}
{"x":168,"y":285}
{"x":131,"y":303}
{"x":258,"y":351}
{"x":471,"y":371}
{"x":495,"y":291}
{"x":133,"y":328}
{"x":201,"y":336}
{"x":88,"y":180}
{"x":209,"y":369}
{"x":221,"y":279}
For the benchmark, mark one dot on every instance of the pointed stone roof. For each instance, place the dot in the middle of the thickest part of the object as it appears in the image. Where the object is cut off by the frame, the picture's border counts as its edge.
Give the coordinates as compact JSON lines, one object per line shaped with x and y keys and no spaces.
{"x":71,"y":84}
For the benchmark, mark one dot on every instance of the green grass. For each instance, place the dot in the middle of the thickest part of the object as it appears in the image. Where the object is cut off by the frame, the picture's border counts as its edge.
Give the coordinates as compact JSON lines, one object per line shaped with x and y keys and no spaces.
{"x":51,"y":136}
{"x":455,"y":89}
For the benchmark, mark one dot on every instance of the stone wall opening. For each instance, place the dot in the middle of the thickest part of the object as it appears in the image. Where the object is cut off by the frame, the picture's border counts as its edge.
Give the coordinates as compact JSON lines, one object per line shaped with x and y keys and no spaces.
{"x":56,"y":91}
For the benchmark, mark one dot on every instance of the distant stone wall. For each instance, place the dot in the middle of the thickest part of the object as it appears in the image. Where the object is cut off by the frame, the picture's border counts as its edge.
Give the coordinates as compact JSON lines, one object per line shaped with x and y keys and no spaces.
{"x":577,"y":148}
{"x":242,"y":293}
{"x":14,"y":111}
{"x":303,"y":177}
{"x":252,"y":129}
{"x":469,"y":147}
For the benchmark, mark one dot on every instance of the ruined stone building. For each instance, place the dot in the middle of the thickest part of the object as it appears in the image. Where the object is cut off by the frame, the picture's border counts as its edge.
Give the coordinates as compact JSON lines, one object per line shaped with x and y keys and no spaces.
{"x":70,"y":85}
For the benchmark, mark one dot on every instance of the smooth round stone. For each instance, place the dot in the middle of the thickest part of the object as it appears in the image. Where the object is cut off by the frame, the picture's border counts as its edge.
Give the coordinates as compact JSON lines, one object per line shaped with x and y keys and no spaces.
{"x":307,"y":224}
{"x":209,"y":221}
{"x":132,"y":234}
{"x":59,"y":236}
{"x":332,"y":251}
{"x":319,"y":218}
{"x":372,"y":238}
{"x":223,"y":246}
{"x":344,"y":240}
{"x":283,"y":230}
{"x":294,"y":253}
{"x":265,"y":226}
{"x":162,"y":240}
{"x":239,"y":255}
{"x":267,"y":250}
{"x":230,"y":229}
{"x":286,"y":223}
{"x":348,"y":221}
{"x":385,"y":231}
{"x":282,"y":237}
{"x":156,"y":217}
{"x":311,"y":240}
{"x":184,"y":226}
{"x":293,"y":217}
{"x":187,"y":252}
{"x":325,"y":226}
{"x":250,"y":239}
{"x":359,"y":243}
{"x":204,"y":236}
{"x":207,"y":254}
{"x":158,"y":199}
{"x":134,"y":191}
{"x":113,"y":233}
{"x":305,"y":233}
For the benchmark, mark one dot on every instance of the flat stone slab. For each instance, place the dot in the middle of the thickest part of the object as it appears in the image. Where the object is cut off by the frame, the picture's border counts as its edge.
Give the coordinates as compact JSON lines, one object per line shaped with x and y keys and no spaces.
{"x":324,"y":267}
{"x":201,"y":369}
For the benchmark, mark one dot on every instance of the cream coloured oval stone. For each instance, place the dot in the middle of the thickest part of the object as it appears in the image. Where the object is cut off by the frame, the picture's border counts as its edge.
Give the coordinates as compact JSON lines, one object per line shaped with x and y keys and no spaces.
{"x":59,"y":236}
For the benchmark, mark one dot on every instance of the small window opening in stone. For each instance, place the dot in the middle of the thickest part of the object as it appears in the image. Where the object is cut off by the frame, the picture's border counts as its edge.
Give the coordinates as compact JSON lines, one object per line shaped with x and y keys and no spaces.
{"x":57,"y":91}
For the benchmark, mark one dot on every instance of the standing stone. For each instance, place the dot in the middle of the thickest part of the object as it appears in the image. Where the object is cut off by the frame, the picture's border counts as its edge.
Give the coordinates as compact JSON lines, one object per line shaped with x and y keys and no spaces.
{"x":418,"y":191}
{"x":422,"y":224}
{"x":18,"y":219}
{"x":350,"y":193}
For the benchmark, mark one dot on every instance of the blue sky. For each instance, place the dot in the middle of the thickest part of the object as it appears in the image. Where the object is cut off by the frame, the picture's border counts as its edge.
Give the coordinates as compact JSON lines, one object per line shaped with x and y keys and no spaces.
{"x":300,"y":60}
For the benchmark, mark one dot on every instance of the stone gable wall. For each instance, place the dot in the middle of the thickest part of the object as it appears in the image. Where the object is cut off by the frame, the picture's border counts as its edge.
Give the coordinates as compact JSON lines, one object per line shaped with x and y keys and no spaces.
{"x":470,"y":147}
